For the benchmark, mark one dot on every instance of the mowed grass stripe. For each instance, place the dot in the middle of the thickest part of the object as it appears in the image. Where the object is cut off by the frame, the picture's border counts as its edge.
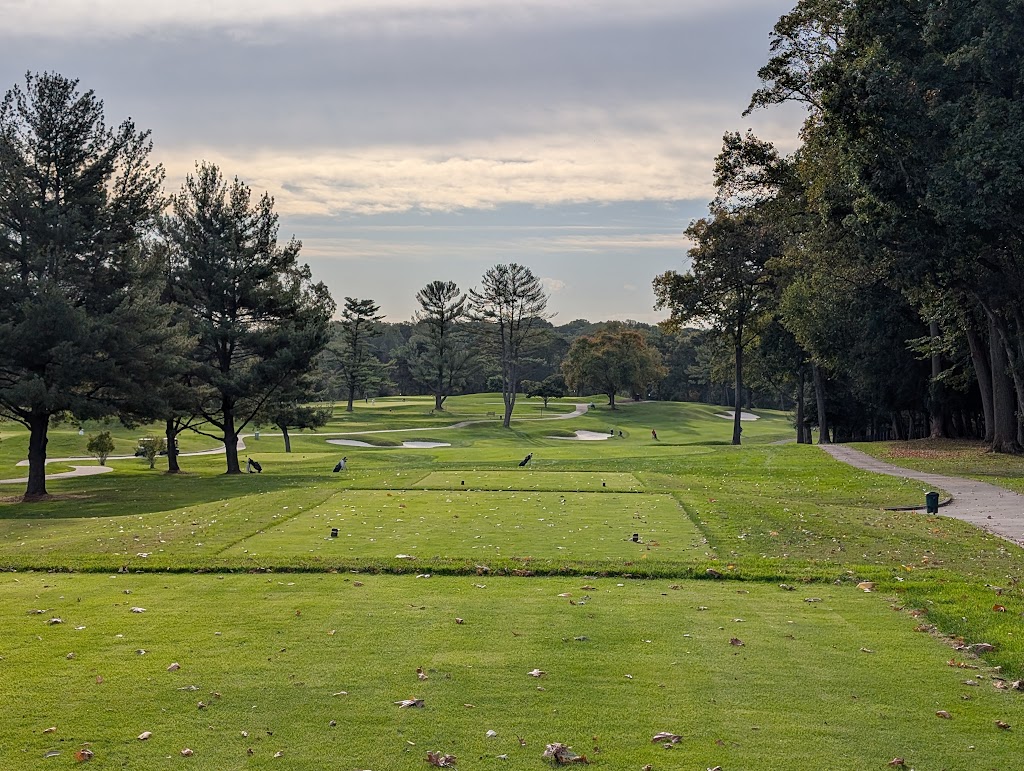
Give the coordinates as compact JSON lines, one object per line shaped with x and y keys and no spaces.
{"x":479,"y":525}
{"x":840,"y":683}
{"x":577,"y":481}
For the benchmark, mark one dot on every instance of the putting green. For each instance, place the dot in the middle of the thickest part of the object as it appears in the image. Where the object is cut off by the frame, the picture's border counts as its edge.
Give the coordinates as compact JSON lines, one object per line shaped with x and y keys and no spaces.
{"x":475,"y":524}
{"x":530,"y":480}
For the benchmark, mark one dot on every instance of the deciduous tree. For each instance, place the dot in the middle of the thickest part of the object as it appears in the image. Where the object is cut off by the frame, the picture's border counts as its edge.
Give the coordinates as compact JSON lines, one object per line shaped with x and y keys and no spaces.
{"x":613,"y":361}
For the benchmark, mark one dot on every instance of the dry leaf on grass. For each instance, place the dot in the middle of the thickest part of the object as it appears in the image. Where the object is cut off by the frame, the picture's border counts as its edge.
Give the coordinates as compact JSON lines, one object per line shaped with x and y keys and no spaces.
{"x":145,"y":735}
{"x":1001,"y":724}
{"x":187,"y":753}
{"x":866,"y":586}
{"x":666,"y":736}
{"x":440,"y":760}
{"x":138,"y":610}
{"x":536,"y":673}
{"x":999,"y":608}
{"x":943,"y":714}
{"x":897,"y":763}
{"x":420,"y":673}
{"x":562,"y":754}
{"x":736,"y":641}
{"x":174,"y":667}
{"x":84,"y":755}
{"x":406,"y":703}
{"x":50,"y":730}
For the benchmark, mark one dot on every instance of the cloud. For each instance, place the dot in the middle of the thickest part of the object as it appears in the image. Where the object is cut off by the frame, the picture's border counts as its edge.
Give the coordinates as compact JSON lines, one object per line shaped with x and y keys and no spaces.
{"x":553,"y":284}
{"x":112,"y":18}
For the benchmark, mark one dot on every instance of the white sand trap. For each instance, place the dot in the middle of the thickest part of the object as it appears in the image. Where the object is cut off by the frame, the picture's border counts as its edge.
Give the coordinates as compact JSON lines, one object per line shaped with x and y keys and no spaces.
{"x":743,"y":415}
{"x":584,"y":436}
{"x":413,"y":445}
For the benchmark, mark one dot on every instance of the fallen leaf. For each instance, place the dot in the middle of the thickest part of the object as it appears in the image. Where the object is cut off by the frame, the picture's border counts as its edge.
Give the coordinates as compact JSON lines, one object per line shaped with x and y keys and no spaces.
{"x":174,"y":667}
{"x":897,"y":763}
{"x":55,"y":620}
{"x":459,"y":621}
{"x":50,"y":730}
{"x":406,"y":703}
{"x":491,"y":734}
{"x":666,"y":736}
{"x":866,"y":650}
{"x":787,"y":587}
{"x":440,"y":760}
{"x":813,"y":599}
{"x":420,"y":673}
{"x":999,"y":608}
{"x":562,"y":754}
{"x":99,"y":679}
{"x":1001,"y":724}
{"x":187,"y":753}
{"x":867,"y":586}
{"x":536,"y":673}
{"x":279,"y":754}
{"x":736,"y":641}
{"x":145,"y":735}
{"x":84,"y":755}
{"x":357,"y":583}
{"x":943,"y":714}
{"x":340,"y":693}
{"x":138,"y":610}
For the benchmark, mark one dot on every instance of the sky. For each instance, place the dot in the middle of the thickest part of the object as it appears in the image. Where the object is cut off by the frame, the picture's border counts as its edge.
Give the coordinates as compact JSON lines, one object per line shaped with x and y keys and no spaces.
{"x":407,"y":141}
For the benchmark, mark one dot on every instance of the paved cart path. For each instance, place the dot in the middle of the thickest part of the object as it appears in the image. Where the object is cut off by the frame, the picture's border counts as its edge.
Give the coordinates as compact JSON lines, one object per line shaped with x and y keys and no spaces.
{"x":995,"y":509}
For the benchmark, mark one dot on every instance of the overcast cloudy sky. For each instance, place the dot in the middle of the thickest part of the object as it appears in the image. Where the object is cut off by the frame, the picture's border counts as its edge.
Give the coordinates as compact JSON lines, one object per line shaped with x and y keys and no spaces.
{"x":413,"y":140}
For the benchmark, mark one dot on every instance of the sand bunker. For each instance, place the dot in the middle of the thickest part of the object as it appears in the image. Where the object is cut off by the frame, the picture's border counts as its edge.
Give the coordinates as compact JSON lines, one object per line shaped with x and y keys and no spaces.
{"x":743,"y":415}
{"x":413,"y":445}
{"x":584,"y":436}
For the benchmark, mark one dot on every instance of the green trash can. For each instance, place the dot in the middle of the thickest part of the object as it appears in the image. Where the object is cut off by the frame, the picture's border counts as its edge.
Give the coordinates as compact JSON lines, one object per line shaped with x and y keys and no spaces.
{"x":931,"y":502}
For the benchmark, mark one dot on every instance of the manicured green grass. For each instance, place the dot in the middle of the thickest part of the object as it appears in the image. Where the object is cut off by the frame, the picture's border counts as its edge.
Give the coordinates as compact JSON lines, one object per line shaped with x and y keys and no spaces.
{"x":594,"y":528}
{"x":795,"y":695}
{"x":840,"y":683}
{"x":958,"y":458}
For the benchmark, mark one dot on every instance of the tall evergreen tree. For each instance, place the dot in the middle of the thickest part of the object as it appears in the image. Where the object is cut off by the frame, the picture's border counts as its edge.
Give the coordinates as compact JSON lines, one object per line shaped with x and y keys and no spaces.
{"x":510,"y":305}
{"x":353,"y":361}
{"x":441,"y":340}
{"x":81,"y":328}
{"x":257,"y":317}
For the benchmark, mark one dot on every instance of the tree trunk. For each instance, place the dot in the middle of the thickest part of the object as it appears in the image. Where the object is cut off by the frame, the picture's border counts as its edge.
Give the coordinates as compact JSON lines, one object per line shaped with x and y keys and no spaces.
{"x":819,"y":395}
{"x":801,"y":437}
{"x":1004,"y":433}
{"x":983,"y":373}
{"x":936,"y":402}
{"x":287,"y":438}
{"x":351,"y":398}
{"x":737,"y":429}
{"x":611,"y":400}
{"x":438,"y":402}
{"x":172,"y":447}
{"x":231,"y":441}
{"x":38,"y":423}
